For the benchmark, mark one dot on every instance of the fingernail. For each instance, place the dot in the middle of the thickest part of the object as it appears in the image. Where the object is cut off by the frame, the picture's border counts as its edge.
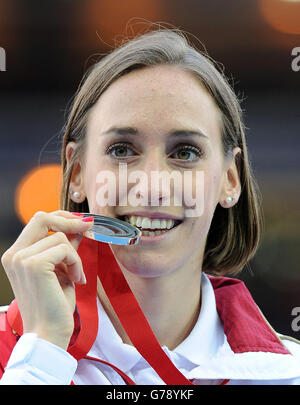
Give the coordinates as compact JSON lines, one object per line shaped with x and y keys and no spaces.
{"x":87,"y":219}
{"x":83,"y":279}
{"x":78,"y":214}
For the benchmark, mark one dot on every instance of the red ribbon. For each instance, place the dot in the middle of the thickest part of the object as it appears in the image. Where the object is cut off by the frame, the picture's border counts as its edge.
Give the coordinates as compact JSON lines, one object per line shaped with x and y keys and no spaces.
{"x":98,"y":259}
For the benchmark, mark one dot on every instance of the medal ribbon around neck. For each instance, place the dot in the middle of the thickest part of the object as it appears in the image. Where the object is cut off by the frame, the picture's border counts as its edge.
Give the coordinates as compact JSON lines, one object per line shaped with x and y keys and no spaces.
{"x":98,"y":260}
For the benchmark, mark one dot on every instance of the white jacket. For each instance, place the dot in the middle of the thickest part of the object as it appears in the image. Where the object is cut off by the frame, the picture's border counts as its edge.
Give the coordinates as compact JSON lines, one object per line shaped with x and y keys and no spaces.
{"x":230,"y":341}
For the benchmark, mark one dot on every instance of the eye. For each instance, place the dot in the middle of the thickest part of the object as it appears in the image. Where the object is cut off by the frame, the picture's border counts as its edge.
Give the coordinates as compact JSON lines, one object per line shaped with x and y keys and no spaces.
{"x":187,"y":153}
{"x":120,"y":150}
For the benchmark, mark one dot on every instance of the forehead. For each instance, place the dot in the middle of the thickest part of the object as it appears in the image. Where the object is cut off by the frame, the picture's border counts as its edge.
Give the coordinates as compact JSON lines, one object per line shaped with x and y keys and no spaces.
{"x":156,"y":95}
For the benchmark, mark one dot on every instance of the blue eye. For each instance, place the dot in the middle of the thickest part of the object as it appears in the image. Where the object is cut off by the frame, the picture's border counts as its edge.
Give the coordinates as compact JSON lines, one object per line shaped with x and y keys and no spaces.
{"x":120,"y":150}
{"x":187,"y":153}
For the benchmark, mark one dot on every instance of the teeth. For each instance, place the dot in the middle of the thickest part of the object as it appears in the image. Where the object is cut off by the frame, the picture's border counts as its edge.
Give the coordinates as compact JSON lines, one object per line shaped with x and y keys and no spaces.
{"x":148,"y":223}
{"x":155,"y":224}
{"x":132,"y":220}
{"x":163,"y":223}
{"x":170,"y":223}
{"x":151,"y":233}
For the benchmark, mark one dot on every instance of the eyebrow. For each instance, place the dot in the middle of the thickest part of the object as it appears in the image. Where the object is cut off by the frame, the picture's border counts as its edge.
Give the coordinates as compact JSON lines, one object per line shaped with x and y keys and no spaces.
{"x":134,"y":131}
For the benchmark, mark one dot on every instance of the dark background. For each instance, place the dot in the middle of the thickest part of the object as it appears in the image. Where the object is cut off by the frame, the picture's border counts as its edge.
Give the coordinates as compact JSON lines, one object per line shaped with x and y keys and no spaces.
{"x":50,"y":44}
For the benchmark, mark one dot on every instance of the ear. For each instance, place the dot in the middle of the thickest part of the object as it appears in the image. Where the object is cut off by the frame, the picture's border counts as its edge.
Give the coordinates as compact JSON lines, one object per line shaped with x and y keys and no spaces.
{"x":231,"y":188}
{"x":76,"y":188}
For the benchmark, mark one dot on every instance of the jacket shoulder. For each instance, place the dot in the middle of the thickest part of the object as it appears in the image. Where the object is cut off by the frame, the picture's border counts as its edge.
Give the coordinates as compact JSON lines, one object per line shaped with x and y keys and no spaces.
{"x":3,"y":309}
{"x":8,"y":339}
{"x":292,"y":344}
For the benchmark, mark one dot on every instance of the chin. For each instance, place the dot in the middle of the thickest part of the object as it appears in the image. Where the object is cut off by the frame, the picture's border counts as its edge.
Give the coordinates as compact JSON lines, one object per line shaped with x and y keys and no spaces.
{"x":145,"y":263}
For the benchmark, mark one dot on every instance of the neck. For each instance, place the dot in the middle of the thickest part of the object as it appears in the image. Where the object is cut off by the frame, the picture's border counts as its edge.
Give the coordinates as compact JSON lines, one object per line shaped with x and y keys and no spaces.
{"x":171,"y":305}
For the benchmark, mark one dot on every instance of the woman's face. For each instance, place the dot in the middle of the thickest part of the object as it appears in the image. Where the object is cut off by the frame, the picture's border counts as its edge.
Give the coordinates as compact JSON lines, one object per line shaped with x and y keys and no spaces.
{"x":157,"y":119}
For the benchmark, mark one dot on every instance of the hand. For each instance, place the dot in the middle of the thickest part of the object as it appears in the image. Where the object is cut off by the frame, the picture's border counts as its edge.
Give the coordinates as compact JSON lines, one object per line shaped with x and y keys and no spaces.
{"x":42,"y":270}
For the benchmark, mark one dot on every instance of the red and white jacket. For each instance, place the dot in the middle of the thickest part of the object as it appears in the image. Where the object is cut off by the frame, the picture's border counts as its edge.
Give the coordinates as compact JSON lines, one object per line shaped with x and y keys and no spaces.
{"x":252,"y":353}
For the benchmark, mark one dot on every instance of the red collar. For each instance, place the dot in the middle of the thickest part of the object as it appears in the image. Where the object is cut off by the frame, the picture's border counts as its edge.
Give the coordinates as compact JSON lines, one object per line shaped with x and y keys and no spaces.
{"x":244,"y":325}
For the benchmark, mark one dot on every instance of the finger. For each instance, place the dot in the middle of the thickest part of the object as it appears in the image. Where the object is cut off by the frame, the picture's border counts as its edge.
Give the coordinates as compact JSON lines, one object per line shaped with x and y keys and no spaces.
{"x":50,"y":241}
{"x":68,"y":214}
{"x":44,"y":244}
{"x":41,"y":223}
{"x":74,"y":239}
{"x":47,"y":260}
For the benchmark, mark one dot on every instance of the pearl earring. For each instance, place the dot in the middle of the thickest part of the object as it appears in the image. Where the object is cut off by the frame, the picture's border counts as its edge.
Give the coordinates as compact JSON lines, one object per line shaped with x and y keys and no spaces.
{"x":75,"y":194}
{"x":229,"y":200}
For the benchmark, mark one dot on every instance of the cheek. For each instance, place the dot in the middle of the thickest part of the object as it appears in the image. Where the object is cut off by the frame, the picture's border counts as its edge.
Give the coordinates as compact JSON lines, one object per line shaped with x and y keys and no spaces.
{"x":95,"y":188}
{"x":213,"y":179}
{"x":200,"y":192}
{"x":211,"y":187}
{"x":198,"y":227}
{"x":102,"y":190}
{"x":211,"y":196}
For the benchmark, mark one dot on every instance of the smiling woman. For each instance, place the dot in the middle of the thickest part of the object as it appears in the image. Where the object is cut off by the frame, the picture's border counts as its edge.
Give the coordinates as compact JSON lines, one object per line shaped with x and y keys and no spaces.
{"x":184,"y":69}
{"x":167,"y":314}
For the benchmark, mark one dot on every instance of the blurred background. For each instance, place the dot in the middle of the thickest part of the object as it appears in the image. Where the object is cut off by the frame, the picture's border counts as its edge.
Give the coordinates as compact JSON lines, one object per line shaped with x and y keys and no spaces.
{"x":49,"y":45}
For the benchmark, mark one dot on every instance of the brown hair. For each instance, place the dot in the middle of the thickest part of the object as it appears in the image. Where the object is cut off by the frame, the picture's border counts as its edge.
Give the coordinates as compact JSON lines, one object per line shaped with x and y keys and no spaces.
{"x":235,"y":232}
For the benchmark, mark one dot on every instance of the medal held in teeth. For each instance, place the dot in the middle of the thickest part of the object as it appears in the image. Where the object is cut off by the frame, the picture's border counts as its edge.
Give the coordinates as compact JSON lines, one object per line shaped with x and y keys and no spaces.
{"x":112,"y":230}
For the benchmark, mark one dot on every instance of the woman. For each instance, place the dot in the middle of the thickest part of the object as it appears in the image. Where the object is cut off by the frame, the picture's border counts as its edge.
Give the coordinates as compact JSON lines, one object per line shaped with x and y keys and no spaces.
{"x":155,"y":104}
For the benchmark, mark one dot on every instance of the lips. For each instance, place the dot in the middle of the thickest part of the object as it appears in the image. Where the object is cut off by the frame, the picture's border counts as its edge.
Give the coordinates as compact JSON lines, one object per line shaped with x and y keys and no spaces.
{"x":151,"y":215}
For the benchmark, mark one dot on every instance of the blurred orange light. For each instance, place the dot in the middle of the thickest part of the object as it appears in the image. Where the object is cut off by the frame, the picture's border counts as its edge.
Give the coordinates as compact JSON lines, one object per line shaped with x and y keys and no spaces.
{"x":38,"y":190}
{"x":282,"y":15}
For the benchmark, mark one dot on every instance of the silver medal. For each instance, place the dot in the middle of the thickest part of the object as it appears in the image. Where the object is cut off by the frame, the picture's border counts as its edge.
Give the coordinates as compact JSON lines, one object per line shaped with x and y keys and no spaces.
{"x":112,"y":230}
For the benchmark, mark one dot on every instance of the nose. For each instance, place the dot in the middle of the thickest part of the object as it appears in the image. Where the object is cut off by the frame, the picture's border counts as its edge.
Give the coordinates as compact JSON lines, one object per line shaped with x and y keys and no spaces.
{"x":153,"y":188}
